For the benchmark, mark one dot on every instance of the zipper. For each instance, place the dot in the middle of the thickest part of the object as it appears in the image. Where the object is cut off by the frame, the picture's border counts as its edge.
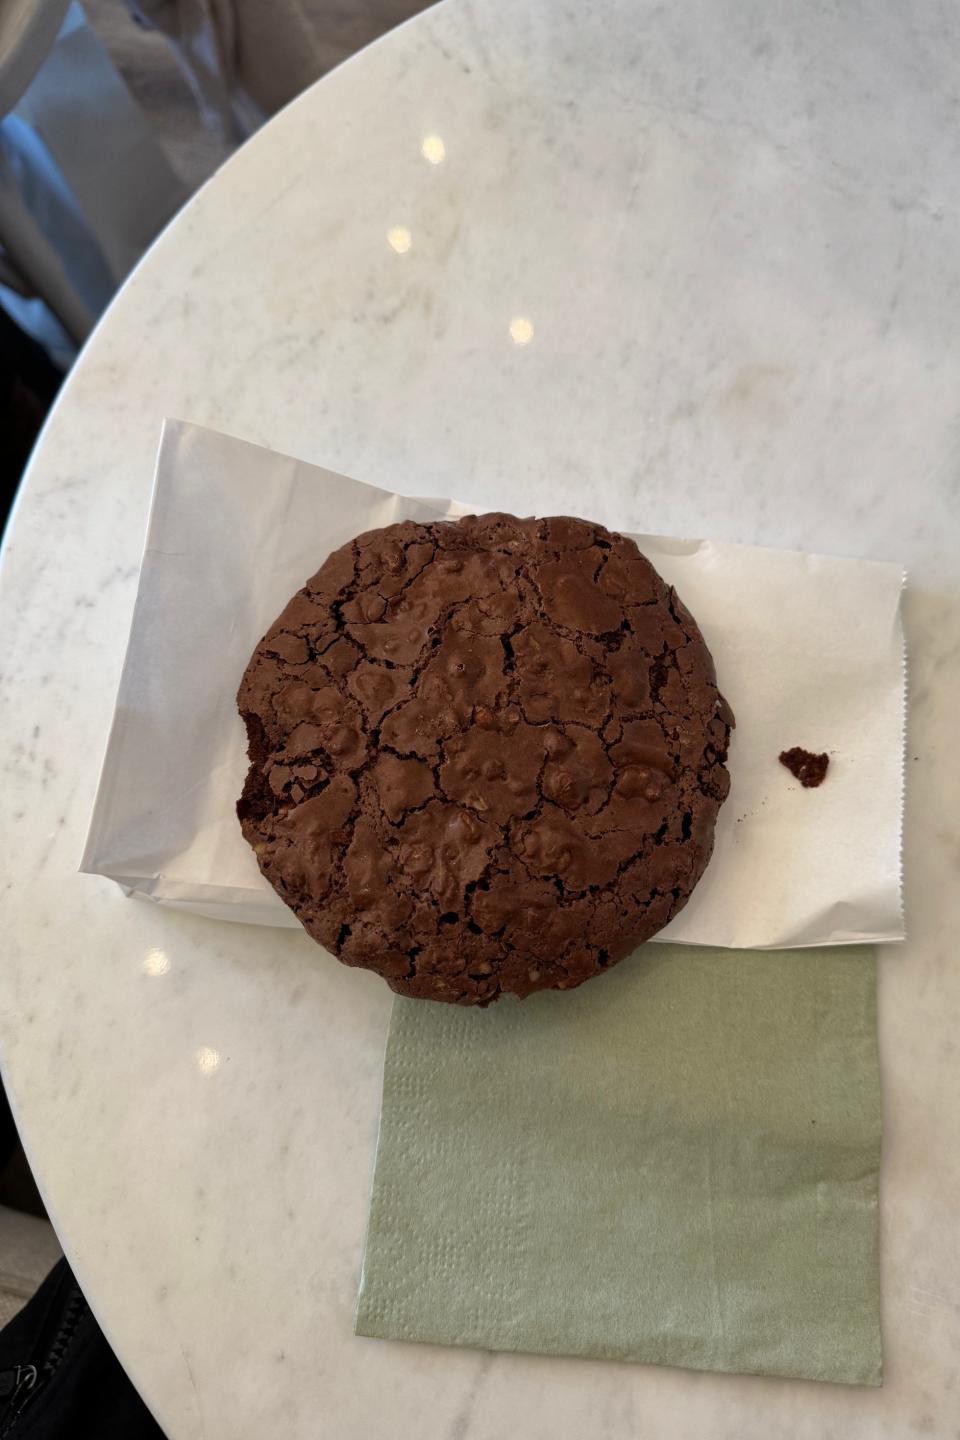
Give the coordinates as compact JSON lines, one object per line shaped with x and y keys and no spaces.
{"x":15,"y":1387}
{"x":21,"y":1384}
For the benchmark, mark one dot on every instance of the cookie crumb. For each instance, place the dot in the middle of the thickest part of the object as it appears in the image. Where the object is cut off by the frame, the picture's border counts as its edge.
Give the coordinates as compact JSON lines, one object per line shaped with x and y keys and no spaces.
{"x":809,"y":769}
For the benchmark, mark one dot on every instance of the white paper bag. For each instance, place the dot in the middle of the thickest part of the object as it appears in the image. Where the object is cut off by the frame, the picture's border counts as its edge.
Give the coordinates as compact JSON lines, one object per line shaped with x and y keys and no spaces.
{"x":808,"y":650}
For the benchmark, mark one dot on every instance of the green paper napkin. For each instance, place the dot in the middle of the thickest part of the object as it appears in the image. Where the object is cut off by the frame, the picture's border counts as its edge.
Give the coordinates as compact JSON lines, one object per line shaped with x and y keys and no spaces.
{"x":676,"y":1163}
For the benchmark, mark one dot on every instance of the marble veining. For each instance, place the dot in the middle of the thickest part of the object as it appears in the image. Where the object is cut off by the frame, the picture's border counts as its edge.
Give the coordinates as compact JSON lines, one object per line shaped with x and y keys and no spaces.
{"x":688,"y":269}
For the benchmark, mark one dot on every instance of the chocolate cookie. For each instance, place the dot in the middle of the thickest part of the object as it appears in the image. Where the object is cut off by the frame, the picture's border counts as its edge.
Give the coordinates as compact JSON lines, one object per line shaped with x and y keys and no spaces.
{"x":485,"y":756}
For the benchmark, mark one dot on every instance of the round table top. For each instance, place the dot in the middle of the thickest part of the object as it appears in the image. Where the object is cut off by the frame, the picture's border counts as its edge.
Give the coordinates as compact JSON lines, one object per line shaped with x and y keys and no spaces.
{"x":690,"y":269}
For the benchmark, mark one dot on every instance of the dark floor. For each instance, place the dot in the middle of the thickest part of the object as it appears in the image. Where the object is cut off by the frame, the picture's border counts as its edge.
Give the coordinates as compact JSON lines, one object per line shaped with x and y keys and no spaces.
{"x":28,"y":387}
{"x":18,"y":1189}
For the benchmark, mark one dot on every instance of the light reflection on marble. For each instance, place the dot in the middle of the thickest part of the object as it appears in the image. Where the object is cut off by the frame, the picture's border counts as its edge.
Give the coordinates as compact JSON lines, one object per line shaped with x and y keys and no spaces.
{"x":433,"y":149}
{"x":735,"y":231}
{"x":156,"y":963}
{"x":399,"y":239}
{"x":521,"y":330}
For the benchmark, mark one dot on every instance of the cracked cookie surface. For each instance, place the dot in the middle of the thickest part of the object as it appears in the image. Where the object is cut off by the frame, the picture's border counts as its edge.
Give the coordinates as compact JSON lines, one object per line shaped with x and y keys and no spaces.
{"x":486,"y":756}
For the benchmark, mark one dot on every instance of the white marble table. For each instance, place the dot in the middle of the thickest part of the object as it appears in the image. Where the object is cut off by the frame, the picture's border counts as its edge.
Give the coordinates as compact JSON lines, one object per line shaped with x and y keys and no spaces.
{"x":690,"y":268}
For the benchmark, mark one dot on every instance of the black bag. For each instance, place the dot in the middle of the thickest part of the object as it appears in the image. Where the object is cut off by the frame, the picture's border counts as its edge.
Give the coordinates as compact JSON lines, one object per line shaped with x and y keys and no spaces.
{"x":59,"y":1379}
